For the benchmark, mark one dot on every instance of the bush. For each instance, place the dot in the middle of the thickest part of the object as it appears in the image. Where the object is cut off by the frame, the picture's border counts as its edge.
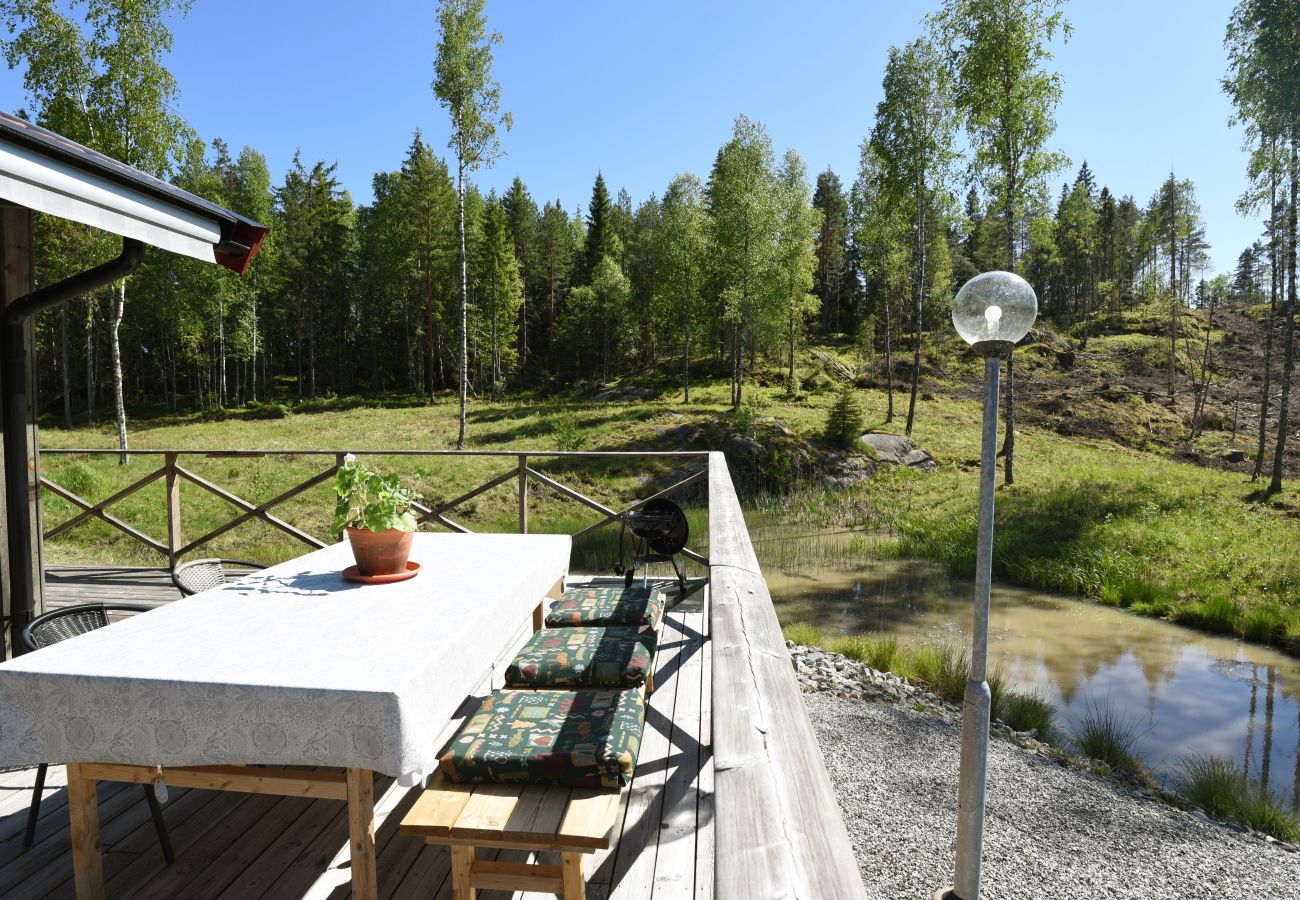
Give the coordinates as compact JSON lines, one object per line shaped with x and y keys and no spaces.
{"x":1029,"y":712}
{"x":265,"y":411}
{"x":568,"y":433}
{"x":1211,"y":782}
{"x":845,"y":421}
{"x":1223,"y":791}
{"x":1106,"y":736}
{"x":744,"y":418}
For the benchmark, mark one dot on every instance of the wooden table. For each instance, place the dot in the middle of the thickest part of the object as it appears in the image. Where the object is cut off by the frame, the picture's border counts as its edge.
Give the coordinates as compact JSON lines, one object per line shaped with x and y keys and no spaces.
{"x":289,"y":667}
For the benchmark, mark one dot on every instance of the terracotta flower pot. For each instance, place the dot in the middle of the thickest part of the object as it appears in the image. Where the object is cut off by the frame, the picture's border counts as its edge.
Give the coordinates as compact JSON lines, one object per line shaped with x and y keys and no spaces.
{"x":380,"y":552}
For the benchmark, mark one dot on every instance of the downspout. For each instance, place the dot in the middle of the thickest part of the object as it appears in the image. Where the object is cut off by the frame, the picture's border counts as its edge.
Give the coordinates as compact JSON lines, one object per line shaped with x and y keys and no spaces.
{"x":17,"y":508}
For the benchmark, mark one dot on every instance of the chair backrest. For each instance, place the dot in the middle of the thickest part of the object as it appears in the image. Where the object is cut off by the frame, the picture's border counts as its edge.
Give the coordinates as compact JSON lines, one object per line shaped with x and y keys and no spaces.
{"x":71,"y":621}
{"x":204,"y":574}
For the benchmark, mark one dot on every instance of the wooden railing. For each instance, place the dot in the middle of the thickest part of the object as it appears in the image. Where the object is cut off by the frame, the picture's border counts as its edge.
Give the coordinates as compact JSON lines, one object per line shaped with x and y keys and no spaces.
{"x":777,"y":826}
{"x":174,"y":547}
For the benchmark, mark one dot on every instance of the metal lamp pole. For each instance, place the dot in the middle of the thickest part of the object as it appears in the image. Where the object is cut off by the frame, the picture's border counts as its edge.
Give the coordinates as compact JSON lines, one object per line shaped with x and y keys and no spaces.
{"x":978,"y":699}
{"x":992,"y":311}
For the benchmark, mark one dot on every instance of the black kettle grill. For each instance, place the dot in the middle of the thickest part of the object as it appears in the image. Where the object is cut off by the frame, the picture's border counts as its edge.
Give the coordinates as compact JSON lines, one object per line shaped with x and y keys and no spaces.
{"x":659,"y":532}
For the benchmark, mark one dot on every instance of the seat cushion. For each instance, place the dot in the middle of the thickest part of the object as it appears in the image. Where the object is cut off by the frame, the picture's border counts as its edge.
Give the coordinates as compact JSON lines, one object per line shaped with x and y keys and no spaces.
{"x":571,"y":738}
{"x":592,"y":657}
{"x":608,"y":606}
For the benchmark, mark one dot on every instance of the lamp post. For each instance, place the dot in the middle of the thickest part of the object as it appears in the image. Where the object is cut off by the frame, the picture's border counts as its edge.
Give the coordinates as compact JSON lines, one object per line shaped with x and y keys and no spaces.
{"x":991,"y":312}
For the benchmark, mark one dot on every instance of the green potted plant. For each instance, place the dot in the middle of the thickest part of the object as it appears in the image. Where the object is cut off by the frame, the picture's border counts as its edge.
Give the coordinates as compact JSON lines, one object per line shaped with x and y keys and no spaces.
{"x":375,"y":511}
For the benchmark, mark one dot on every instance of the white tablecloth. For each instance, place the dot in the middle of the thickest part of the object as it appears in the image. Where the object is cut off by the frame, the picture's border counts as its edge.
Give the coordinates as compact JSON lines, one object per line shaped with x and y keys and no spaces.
{"x":291,"y":665}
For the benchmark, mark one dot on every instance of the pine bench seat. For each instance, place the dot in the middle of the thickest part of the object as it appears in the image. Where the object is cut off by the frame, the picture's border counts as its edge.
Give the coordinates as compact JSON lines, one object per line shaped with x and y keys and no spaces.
{"x":538,"y":818}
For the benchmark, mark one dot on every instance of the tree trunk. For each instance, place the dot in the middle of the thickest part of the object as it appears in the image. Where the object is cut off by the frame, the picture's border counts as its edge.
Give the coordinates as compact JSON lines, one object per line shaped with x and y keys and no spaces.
{"x":1203,"y":386}
{"x":222,"y":398}
{"x":63,"y":365}
{"x":90,"y":359}
{"x":1274,"y":281}
{"x":686,"y":345}
{"x":1009,"y":442}
{"x":889,"y":366}
{"x":464,"y":295}
{"x":119,"y":308}
{"x":252,"y":365}
{"x":1288,"y":311}
{"x":920,"y":306}
{"x":1173,"y":342}
{"x":790,"y":376}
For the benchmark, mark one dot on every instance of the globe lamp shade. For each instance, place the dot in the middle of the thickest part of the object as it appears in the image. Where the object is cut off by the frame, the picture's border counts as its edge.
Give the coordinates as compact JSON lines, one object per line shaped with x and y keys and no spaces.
{"x":994,"y":310}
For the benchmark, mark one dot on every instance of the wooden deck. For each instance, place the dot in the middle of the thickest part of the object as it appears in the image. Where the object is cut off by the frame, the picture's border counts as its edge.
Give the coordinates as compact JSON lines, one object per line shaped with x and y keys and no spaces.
{"x":249,"y":846}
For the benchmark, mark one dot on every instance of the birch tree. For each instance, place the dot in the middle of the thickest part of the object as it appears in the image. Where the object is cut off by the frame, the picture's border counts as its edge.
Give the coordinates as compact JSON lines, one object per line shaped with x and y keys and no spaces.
{"x":912,"y":139}
{"x":682,"y":238}
{"x":1263,"y":82}
{"x":463,"y":84}
{"x":742,"y":200}
{"x":1006,"y":97}
{"x":796,"y":258}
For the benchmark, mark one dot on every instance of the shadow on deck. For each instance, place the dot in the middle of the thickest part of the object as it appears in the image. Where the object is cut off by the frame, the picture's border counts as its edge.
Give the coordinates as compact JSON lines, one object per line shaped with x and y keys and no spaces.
{"x":243,"y":846}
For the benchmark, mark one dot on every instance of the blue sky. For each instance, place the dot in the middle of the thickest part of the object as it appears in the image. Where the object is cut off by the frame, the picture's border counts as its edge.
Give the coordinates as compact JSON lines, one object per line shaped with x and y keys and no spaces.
{"x":645,"y":90}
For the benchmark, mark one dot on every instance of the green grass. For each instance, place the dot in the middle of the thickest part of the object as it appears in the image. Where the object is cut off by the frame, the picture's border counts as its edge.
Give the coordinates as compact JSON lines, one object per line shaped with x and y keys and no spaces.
{"x":943,"y":669}
{"x":1109,"y":737}
{"x":804,"y":633}
{"x":883,"y":653}
{"x":1222,"y":790}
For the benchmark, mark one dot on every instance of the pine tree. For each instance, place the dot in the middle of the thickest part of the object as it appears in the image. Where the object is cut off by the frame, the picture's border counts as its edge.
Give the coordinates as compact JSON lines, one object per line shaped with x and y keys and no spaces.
{"x":845,"y":419}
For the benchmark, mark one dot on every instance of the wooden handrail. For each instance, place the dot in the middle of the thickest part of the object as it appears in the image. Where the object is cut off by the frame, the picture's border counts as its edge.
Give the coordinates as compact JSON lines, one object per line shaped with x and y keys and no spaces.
{"x":549,"y":454}
{"x":777,"y":827}
{"x":174,"y":474}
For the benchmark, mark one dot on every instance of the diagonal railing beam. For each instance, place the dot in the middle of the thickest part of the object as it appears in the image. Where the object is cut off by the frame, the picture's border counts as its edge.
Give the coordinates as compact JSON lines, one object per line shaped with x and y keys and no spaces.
{"x":254,"y":511}
{"x":612,"y":516}
{"x":570,"y":492}
{"x":97,"y":511}
{"x":427,"y":512}
{"x":433,"y":515}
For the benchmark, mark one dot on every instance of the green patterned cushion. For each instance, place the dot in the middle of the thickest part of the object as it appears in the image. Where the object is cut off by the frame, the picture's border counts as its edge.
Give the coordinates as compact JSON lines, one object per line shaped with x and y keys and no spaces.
{"x":608,"y":606}
{"x":592,"y":657}
{"x":572,"y":738}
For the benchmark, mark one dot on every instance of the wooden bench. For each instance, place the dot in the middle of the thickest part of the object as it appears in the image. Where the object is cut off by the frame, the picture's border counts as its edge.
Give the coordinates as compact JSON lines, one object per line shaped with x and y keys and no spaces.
{"x":570,"y":821}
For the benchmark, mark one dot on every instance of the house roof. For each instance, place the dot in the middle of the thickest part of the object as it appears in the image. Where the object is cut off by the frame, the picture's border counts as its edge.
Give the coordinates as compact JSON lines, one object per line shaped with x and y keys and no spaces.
{"x":49,"y":173}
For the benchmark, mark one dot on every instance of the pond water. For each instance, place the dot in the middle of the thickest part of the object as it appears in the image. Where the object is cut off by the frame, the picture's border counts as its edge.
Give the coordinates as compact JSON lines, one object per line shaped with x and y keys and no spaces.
{"x":1183,"y":691}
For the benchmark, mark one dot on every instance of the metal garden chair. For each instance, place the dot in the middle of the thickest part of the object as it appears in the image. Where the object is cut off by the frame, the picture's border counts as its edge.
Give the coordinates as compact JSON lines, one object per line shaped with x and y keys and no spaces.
{"x":203,"y":574}
{"x":60,"y":625}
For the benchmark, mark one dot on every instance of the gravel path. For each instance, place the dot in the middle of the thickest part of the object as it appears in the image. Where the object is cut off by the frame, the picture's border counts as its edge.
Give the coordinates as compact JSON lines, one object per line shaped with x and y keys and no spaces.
{"x":1051,"y":831}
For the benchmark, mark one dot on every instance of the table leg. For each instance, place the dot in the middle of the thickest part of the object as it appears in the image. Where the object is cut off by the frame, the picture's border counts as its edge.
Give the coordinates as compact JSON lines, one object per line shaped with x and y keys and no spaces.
{"x":462,"y":866}
{"x":361,"y":833}
{"x":575,"y":885}
{"x":87,"y":851}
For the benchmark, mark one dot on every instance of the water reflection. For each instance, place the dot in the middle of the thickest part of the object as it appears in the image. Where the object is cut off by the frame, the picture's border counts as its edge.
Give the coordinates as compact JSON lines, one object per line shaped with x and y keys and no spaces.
{"x":1184,"y":691}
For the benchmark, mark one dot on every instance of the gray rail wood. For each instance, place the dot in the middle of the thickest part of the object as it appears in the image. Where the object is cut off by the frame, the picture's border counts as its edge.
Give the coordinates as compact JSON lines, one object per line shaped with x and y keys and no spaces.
{"x":779,"y":830}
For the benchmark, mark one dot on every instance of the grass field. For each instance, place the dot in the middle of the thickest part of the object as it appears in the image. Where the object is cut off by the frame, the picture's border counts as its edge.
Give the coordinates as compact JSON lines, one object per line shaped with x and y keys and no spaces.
{"x":1087,"y":516}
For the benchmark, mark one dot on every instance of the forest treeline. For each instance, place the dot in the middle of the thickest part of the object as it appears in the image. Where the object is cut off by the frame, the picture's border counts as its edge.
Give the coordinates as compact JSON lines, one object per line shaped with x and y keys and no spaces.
{"x":725,"y":269}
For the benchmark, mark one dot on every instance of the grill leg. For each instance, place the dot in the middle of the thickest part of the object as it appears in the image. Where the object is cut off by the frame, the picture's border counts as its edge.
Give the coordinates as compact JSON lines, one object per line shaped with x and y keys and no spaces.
{"x":34,"y":812}
{"x":159,"y":824}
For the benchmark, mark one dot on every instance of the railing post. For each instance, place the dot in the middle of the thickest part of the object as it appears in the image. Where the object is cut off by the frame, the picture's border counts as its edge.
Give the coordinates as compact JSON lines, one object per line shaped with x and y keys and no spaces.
{"x":174,"y":538}
{"x":523,"y":493}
